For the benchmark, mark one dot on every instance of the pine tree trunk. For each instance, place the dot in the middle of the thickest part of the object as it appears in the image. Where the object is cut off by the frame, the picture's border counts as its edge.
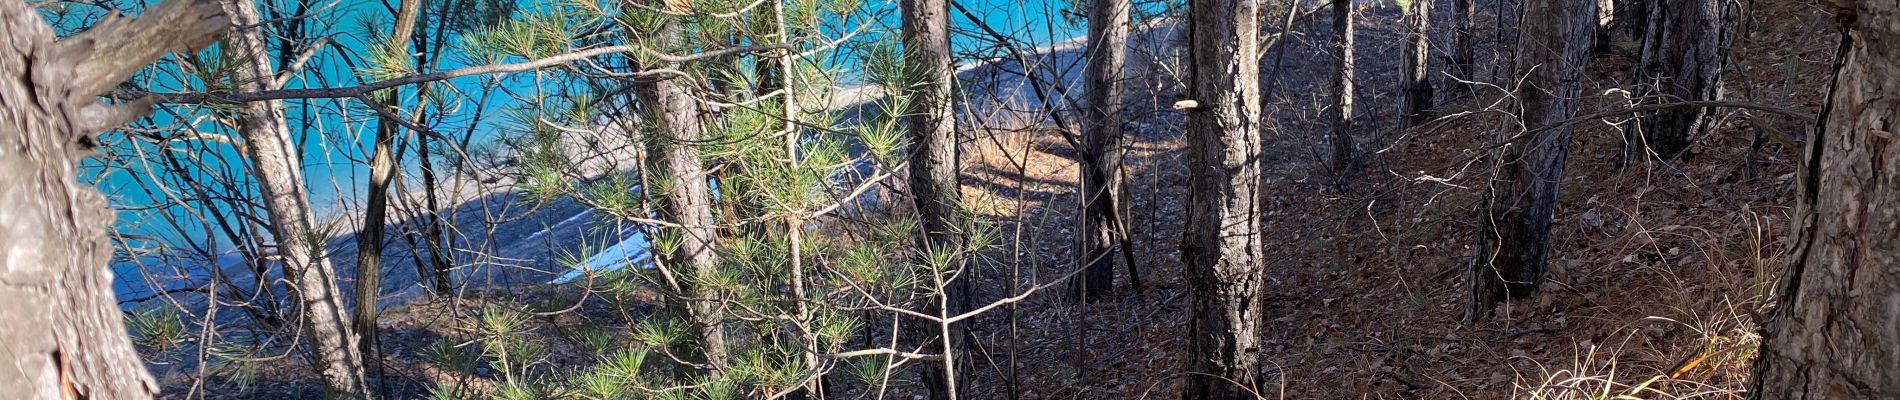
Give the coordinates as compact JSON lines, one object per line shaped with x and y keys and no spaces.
{"x":1628,"y":21}
{"x":1341,"y":113}
{"x":64,"y":336}
{"x":1835,"y":331}
{"x":1222,"y":252}
{"x":1102,"y":187}
{"x":441,"y":258}
{"x":933,"y":172}
{"x":1463,"y":62}
{"x":1513,"y":236}
{"x":276,"y":166}
{"x":369,"y":245}
{"x":1417,"y":82}
{"x":369,"y":239}
{"x":688,"y":201}
{"x":1682,"y":60}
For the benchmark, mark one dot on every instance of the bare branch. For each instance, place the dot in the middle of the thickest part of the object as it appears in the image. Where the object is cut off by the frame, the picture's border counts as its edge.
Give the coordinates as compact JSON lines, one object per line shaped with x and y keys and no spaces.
{"x":354,"y":91}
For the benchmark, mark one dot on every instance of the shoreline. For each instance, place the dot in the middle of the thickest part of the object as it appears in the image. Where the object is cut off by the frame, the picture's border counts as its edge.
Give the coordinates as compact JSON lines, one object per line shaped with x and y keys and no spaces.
{"x":563,"y":234}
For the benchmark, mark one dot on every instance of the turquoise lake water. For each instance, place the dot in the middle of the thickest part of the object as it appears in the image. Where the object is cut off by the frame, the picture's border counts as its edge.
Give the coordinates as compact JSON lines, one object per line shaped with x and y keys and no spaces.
{"x":334,"y":137}
{"x":335,"y":140}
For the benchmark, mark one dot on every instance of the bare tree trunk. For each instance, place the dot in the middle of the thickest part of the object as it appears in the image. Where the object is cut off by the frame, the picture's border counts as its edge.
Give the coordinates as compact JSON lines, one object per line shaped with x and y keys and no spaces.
{"x":1341,"y":136}
{"x":933,"y":172}
{"x":1102,"y":186}
{"x":64,"y":336}
{"x":688,"y":201}
{"x":369,"y":240}
{"x":369,"y":245}
{"x":441,"y":258}
{"x":1836,"y":325}
{"x":1513,"y":237}
{"x":300,"y":248}
{"x":1463,"y":62}
{"x":1223,"y":249}
{"x":1682,"y":60}
{"x":1417,"y":83}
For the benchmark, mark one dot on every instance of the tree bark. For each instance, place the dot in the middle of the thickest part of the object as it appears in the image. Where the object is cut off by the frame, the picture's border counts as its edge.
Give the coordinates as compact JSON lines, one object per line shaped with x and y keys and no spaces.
{"x":1835,"y":331}
{"x":1683,"y":55}
{"x":369,"y":239}
{"x":1622,"y":33}
{"x":64,"y":335}
{"x":1462,"y":59}
{"x":1513,"y":237}
{"x":1417,"y":83}
{"x":1102,"y":187}
{"x":688,"y":201}
{"x":440,"y":257}
{"x":63,"y":332}
{"x":1222,"y":252}
{"x":300,"y":248}
{"x":934,"y":187}
{"x":1342,"y":157}
{"x":442,"y":260}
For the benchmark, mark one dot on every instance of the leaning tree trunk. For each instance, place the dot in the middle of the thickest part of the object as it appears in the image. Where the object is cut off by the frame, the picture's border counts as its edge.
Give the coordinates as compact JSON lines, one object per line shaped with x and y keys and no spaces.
{"x":1836,"y":328}
{"x":688,"y":200}
{"x":1223,"y":251}
{"x":1514,"y":230}
{"x":1682,"y":60}
{"x":1102,"y":186}
{"x":300,"y":248}
{"x":64,"y":335}
{"x":1342,"y":95}
{"x":1417,"y":83}
{"x":382,"y":166}
{"x":933,"y":173}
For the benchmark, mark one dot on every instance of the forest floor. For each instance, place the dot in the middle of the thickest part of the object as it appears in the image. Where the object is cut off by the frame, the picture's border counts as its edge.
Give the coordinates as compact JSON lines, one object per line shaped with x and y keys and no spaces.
{"x":1656,"y":274}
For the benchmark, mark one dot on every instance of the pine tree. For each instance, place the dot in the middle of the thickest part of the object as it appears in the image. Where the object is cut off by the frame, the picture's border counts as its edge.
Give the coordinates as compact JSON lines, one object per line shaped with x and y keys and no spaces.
{"x":1341,"y":114}
{"x":369,"y":247}
{"x":300,"y":245}
{"x":770,"y":313}
{"x":1416,"y":84}
{"x":1103,"y":219}
{"x":935,"y":189}
{"x":1223,"y":255}
{"x":1684,"y":52}
{"x":1513,"y":237}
